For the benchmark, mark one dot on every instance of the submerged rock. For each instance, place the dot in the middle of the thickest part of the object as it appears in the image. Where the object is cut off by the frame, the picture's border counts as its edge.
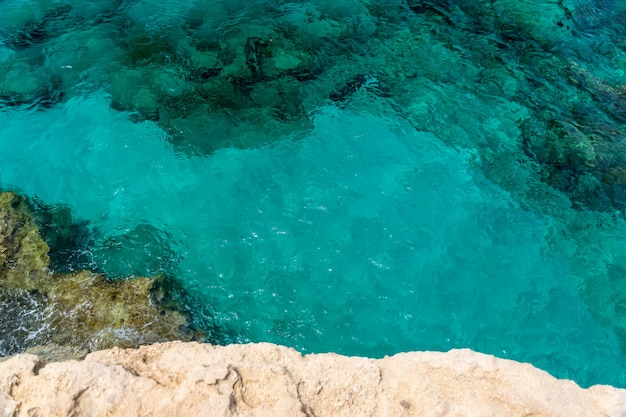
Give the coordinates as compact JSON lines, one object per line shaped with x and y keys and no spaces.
{"x":142,"y":250}
{"x":67,"y":239}
{"x":210,"y":84}
{"x":83,"y":310}
{"x":57,"y":353}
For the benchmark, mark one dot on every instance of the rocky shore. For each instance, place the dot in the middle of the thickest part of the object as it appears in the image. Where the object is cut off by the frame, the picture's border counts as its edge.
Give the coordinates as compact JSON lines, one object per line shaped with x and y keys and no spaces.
{"x":71,"y":314}
{"x":82,"y":309}
{"x":179,"y":379}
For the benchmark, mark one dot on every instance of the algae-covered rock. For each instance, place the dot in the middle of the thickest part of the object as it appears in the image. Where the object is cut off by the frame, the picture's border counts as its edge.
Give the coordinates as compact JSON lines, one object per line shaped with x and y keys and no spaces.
{"x":143,"y":250}
{"x":89,"y":311}
{"x":20,"y":83}
{"x":14,"y":15}
{"x":83,"y":310}
{"x":57,"y":353}
{"x":133,"y":90}
{"x":69,"y":240}
{"x":23,"y":254}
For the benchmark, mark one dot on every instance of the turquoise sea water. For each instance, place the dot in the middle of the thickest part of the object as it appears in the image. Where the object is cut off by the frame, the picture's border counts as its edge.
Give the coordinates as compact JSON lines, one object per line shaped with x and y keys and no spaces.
{"x":357,"y":177}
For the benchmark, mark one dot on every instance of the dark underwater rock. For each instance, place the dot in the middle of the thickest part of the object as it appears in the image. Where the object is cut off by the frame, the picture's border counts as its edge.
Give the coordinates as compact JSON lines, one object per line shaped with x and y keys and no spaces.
{"x":214,"y":80}
{"x":578,"y":139}
{"x":36,"y":31}
{"x":27,"y":37}
{"x":255,"y":56}
{"x":142,"y":250}
{"x":259,"y":77}
{"x":68,"y":239}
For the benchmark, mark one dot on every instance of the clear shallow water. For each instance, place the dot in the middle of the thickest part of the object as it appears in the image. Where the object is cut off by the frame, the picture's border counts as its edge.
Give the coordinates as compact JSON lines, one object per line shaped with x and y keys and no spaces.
{"x":374,"y":225}
{"x":364,"y":237}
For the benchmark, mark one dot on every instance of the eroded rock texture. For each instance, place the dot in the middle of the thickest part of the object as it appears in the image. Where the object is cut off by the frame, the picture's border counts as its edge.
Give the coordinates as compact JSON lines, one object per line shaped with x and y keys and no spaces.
{"x":191,"y":379}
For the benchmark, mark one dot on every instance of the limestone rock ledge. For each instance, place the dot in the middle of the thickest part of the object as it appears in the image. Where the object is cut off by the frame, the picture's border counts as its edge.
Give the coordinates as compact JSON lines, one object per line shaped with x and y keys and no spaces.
{"x":192,"y":379}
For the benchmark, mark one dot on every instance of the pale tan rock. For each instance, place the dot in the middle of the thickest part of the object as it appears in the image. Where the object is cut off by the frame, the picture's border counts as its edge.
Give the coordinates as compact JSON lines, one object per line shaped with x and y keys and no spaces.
{"x":191,"y":379}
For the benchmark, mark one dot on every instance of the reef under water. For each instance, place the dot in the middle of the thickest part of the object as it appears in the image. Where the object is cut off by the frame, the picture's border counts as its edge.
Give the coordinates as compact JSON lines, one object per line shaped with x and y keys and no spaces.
{"x":364,"y":177}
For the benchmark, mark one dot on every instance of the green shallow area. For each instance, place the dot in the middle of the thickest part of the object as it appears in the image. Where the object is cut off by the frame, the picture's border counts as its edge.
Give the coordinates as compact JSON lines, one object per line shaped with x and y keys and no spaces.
{"x":359,"y":177}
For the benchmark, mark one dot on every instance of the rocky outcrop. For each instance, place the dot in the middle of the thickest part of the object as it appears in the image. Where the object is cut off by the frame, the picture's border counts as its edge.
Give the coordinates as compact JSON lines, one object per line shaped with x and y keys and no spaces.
{"x":23,"y":254}
{"x":81,"y":310}
{"x":191,"y":379}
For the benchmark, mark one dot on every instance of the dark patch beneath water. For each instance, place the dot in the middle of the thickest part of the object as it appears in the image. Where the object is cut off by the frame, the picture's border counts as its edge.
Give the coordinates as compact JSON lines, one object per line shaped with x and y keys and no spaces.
{"x":69,"y":239}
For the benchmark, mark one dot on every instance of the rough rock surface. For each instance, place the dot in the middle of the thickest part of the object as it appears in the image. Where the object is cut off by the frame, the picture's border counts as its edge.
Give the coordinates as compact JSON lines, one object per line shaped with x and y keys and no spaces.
{"x":23,"y":254}
{"x":191,"y":379}
{"x":81,"y":310}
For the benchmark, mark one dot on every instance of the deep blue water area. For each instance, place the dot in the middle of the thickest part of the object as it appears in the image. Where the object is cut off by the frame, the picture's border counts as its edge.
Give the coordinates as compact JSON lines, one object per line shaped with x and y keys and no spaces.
{"x":362,"y":177}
